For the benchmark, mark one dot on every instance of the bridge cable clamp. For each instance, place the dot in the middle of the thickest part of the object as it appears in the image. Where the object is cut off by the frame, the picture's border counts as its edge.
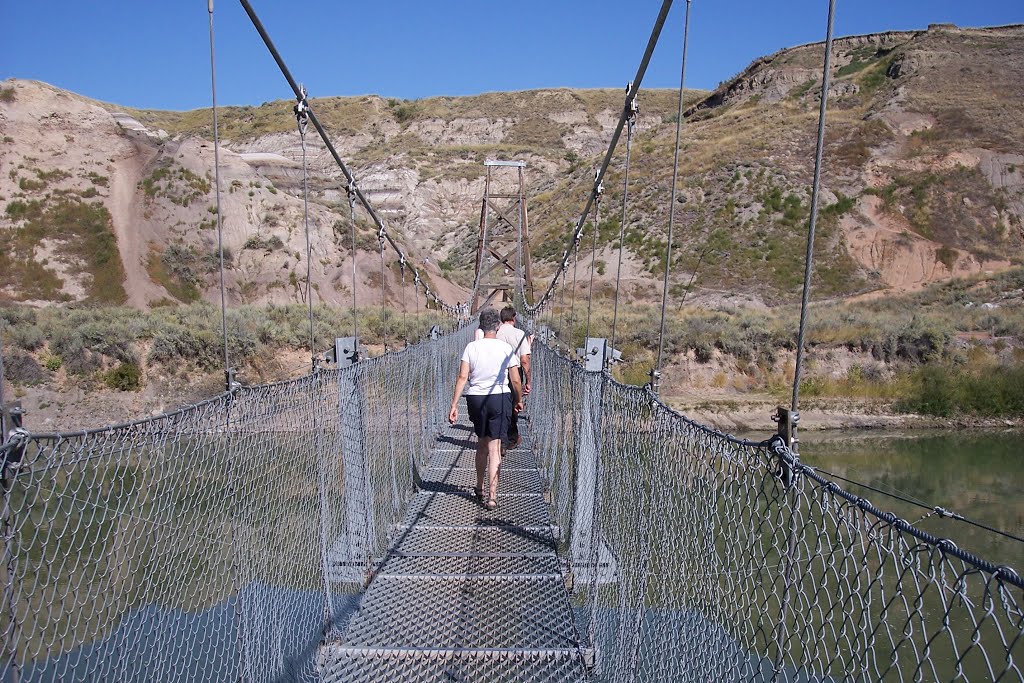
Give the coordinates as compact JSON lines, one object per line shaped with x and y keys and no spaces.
{"x":301,"y":110}
{"x":632,"y":105}
{"x":231,"y":384}
{"x":17,"y":439}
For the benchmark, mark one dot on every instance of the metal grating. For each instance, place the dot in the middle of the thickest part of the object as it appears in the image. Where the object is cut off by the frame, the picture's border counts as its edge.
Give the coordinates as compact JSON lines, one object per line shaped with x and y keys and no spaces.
{"x":494,"y":540}
{"x":345,"y":665}
{"x":510,"y":481}
{"x":465,"y":593}
{"x":478,"y":613}
{"x":468,"y":566}
{"x":464,"y":510}
{"x":517,"y":457}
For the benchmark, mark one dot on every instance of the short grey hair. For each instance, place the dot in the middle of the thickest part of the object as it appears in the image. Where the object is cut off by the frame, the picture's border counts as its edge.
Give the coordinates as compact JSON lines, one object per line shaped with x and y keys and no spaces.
{"x":489,"y":320}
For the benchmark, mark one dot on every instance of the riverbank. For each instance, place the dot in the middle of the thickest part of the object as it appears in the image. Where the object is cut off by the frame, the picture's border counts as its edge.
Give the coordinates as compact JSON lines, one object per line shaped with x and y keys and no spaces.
{"x":736,"y":414}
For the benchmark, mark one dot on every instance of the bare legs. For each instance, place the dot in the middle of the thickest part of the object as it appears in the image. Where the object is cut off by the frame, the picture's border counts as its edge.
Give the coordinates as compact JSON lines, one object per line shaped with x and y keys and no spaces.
{"x":488,"y":458}
{"x":481,"y":464}
{"x":493,"y":463}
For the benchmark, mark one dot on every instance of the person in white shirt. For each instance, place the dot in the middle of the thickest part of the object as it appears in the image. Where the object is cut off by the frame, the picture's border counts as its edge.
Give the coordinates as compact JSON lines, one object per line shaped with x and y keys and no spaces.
{"x":520,"y":343}
{"x":488,"y":374}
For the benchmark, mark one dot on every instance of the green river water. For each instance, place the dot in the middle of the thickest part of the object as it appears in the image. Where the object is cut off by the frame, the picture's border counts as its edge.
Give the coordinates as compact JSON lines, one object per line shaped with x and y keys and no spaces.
{"x":977,"y":473}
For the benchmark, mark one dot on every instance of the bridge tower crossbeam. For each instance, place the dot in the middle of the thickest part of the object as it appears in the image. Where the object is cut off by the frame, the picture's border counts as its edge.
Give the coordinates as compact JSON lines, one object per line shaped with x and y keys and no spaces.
{"x":503,"y":245}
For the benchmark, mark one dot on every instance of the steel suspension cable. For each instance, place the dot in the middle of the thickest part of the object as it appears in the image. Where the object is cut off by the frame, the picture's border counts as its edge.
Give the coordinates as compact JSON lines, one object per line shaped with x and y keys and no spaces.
{"x":220,"y":220}
{"x":630,"y":130}
{"x":652,"y":42}
{"x":656,"y":372}
{"x":812,"y":224}
{"x":302,"y":120}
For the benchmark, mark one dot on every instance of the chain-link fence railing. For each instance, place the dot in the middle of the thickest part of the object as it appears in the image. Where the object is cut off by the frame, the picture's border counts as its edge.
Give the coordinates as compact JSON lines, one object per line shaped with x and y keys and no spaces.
{"x":217,"y":542}
{"x":700,"y":557}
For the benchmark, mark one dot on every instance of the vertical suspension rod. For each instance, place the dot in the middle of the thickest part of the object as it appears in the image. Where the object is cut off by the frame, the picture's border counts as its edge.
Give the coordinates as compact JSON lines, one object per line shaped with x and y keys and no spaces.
{"x":783,"y":634}
{"x":672,"y":205}
{"x":229,"y":382}
{"x":353,"y":187}
{"x":659,"y":24}
{"x":812,"y":224}
{"x":220,"y":218}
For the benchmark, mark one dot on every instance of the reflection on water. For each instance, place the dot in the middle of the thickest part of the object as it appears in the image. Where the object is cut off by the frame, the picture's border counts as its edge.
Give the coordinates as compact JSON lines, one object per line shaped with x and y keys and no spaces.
{"x":164,"y":644}
{"x":976,"y":473}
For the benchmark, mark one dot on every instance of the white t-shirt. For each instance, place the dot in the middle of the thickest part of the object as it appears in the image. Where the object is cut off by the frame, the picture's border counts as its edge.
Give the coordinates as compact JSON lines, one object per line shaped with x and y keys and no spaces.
{"x":510,"y":334}
{"x":489,"y":361}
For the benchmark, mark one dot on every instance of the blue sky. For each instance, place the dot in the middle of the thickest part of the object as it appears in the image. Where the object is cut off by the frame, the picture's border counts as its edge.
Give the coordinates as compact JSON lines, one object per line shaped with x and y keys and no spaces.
{"x":155,"y":54}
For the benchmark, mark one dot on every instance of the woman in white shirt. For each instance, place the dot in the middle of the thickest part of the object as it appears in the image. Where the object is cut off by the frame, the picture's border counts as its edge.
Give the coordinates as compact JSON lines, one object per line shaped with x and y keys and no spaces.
{"x":489,"y":375}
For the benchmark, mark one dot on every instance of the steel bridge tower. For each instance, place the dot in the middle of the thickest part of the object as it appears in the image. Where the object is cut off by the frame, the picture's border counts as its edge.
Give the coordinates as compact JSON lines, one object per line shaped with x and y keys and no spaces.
{"x":503,"y":247}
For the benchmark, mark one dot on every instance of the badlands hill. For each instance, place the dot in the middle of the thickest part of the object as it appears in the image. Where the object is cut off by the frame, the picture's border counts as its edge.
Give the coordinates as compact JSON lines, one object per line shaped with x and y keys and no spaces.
{"x":924,"y":180}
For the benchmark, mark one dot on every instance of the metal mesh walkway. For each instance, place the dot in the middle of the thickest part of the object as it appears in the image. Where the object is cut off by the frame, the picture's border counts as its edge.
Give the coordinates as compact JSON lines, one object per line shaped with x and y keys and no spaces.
{"x":465,"y":593}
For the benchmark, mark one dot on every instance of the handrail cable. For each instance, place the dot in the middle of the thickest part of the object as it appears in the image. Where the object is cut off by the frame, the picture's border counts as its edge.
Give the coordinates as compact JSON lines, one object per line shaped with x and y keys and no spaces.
{"x":633,"y":108}
{"x":656,"y":372}
{"x":934,"y":509}
{"x":220,"y":220}
{"x":353,"y":187}
{"x":659,"y":24}
{"x":812,"y":223}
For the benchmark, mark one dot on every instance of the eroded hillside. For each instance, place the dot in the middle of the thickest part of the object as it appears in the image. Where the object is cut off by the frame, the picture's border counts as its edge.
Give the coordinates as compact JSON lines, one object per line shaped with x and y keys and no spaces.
{"x":923,"y":180}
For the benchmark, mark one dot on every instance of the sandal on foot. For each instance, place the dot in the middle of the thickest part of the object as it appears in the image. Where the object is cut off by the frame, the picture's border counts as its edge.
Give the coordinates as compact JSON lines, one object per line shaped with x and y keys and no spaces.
{"x":479,"y":492}
{"x":491,"y":504}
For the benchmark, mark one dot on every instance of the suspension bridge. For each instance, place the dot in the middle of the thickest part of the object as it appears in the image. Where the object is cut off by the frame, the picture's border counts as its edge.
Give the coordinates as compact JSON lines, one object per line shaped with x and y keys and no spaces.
{"x":325,"y":528}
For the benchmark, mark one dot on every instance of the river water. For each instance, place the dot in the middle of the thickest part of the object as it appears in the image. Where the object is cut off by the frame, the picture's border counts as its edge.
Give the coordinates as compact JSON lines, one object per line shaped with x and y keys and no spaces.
{"x":976,"y":473}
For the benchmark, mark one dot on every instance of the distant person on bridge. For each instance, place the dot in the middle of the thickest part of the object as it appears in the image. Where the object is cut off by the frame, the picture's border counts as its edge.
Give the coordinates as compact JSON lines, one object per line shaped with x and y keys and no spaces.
{"x":517,"y":339}
{"x":488,"y":374}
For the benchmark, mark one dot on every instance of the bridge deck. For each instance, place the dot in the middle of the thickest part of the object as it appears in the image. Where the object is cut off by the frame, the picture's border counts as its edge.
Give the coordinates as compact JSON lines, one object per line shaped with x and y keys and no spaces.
{"x":466,"y":594}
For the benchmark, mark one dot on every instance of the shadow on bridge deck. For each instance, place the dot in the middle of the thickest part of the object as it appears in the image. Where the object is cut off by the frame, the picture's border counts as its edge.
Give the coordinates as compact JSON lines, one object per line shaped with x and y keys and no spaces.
{"x":465,"y":593}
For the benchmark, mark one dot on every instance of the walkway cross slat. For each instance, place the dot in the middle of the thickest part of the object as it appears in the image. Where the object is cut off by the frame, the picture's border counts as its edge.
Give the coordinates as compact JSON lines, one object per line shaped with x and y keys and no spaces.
{"x":465,"y":593}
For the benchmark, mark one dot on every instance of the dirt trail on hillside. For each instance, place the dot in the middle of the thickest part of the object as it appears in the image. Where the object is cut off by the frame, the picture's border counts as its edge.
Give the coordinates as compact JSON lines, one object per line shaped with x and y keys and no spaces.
{"x":127,"y":219}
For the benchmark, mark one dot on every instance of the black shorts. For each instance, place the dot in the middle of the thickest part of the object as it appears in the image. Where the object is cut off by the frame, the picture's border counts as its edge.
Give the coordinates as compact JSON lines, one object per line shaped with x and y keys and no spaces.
{"x":490,"y":414}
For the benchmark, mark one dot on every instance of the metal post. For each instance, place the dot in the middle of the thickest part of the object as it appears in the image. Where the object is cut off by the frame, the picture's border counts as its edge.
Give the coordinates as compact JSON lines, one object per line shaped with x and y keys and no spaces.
{"x":591,"y":559}
{"x":10,"y":567}
{"x":324,"y":483}
{"x":3,"y":417}
{"x":353,"y":550}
